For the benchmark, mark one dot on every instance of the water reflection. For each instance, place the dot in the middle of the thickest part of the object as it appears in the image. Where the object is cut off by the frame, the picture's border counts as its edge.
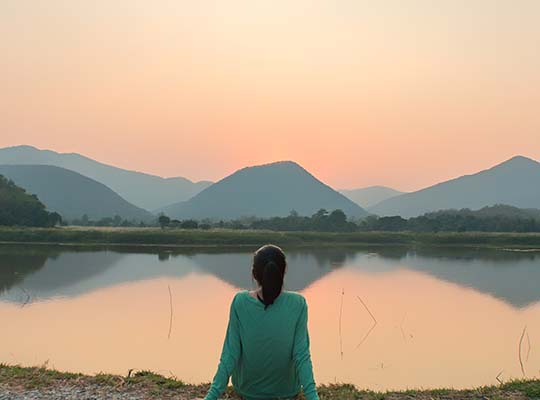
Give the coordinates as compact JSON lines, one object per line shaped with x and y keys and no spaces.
{"x":15,"y":264}
{"x":445,"y":317}
{"x":33,"y":273}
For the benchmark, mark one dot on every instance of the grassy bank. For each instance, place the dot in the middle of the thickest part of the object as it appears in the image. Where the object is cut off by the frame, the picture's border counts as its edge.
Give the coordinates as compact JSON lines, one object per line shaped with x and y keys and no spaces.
{"x":178,"y":237}
{"x":150,"y":385}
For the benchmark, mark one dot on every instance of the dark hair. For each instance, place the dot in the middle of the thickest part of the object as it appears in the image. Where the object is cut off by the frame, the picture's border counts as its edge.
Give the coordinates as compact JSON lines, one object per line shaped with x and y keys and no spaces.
{"x":269,"y":265}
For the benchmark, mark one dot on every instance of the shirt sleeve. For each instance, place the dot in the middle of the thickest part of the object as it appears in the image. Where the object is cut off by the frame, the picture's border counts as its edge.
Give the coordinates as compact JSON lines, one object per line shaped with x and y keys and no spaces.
{"x":232,"y":348}
{"x":302,"y":357}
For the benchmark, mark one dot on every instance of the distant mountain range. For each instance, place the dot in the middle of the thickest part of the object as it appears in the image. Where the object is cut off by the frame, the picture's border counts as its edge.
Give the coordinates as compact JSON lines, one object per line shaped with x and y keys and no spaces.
{"x":71,"y":194}
{"x":515,"y":182}
{"x":371,"y":195}
{"x":264,"y":191}
{"x":143,"y":190}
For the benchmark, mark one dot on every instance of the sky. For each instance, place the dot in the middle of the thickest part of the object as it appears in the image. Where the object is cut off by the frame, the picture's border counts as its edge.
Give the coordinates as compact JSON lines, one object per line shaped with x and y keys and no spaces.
{"x":390,"y":92}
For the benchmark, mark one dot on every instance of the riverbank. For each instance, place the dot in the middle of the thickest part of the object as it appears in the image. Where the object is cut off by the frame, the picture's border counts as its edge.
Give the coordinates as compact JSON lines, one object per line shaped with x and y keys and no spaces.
{"x":42,"y":383}
{"x":228,"y":238}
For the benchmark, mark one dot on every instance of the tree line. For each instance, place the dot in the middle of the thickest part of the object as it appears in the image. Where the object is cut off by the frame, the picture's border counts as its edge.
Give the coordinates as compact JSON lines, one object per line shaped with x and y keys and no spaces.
{"x":18,"y":208}
{"x":498,"y":218}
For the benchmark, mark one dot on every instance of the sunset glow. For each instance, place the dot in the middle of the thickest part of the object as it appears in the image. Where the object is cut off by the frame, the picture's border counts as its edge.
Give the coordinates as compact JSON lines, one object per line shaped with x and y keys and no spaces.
{"x":403,"y":94}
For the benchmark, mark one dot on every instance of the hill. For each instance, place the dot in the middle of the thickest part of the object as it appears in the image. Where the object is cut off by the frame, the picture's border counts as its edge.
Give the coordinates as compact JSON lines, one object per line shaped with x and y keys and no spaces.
{"x":515,"y":182}
{"x":143,"y":190}
{"x":369,"y":196}
{"x":264,"y":191}
{"x":18,"y":208}
{"x":71,"y":194}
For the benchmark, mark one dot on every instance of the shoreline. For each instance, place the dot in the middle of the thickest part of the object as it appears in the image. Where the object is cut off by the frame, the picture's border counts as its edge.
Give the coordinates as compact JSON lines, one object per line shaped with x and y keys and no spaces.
{"x":40,"y":382}
{"x":179,"y":238}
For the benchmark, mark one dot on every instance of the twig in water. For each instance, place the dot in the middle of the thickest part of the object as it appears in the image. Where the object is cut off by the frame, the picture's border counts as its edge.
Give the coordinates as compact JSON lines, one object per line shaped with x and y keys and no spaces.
{"x":340,"y":315}
{"x":366,"y":335}
{"x":519,"y":350}
{"x":401,"y":329}
{"x":27,"y":296}
{"x":171,"y":317}
{"x":372,"y":327}
{"x":498,"y":377}
{"x":528,"y":347}
{"x":366,"y":307}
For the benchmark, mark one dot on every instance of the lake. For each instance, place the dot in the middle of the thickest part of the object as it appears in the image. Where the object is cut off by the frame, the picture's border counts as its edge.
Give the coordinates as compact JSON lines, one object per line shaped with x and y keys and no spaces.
{"x":382,"y":318}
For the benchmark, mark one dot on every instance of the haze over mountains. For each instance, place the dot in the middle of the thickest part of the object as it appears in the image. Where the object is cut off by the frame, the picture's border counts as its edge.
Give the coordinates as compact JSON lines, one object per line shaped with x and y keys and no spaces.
{"x":143,"y":190}
{"x":270,"y":190}
{"x":371,"y":195}
{"x":71,"y":194}
{"x":264,"y":191}
{"x":515,"y":182}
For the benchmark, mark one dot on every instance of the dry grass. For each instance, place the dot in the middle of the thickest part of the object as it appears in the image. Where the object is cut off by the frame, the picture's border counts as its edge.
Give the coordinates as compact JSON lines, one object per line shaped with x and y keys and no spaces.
{"x":152,"y":385}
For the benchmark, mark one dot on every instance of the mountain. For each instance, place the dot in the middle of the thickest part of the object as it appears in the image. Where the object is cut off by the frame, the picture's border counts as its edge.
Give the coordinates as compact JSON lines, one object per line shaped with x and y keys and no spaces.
{"x":369,"y":196}
{"x":71,"y":194}
{"x":515,"y":182}
{"x":264,"y":191}
{"x":22,"y":209}
{"x":143,"y":190}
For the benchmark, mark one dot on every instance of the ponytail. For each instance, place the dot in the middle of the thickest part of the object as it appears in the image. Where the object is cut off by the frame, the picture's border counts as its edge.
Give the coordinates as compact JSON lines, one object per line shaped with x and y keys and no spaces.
{"x":269,"y":265}
{"x":272,"y":283}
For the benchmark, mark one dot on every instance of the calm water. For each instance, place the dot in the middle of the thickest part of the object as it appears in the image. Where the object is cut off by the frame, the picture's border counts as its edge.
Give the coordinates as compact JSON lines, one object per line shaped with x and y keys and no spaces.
{"x":444,"y":317}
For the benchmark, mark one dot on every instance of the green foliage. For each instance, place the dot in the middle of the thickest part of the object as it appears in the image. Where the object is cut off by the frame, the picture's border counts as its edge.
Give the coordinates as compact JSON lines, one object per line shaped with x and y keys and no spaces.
{"x":530,"y":388}
{"x":227,"y":237}
{"x":499,"y":218}
{"x":164,"y":221}
{"x":189,"y":224}
{"x":18,"y":208}
{"x":115,"y":222}
{"x":321,"y":221}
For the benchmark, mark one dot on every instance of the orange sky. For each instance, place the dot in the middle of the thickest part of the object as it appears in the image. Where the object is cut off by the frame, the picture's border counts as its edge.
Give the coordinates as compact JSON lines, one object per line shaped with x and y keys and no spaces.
{"x":398,"y":93}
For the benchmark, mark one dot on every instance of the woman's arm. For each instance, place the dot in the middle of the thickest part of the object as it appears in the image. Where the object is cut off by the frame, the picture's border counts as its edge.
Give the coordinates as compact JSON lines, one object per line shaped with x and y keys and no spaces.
{"x":232,"y":348}
{"x":302,"y":356}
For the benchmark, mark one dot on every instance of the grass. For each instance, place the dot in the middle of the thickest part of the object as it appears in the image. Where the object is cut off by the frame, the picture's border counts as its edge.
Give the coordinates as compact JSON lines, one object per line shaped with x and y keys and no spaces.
{"x":153,"y":385}
{"x":225,"y":238}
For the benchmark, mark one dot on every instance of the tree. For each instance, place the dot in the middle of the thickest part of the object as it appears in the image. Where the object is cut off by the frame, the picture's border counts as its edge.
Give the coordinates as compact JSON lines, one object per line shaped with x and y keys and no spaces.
{"x":337,"y":218}
{"x":189,"y":224}
{"x":117,"y":220}
{"x":164,"y":221}
{"x":55,"y":219}
{"x":84,"y":220}
{"x":17,"y":207}
{"x":320,"y":214}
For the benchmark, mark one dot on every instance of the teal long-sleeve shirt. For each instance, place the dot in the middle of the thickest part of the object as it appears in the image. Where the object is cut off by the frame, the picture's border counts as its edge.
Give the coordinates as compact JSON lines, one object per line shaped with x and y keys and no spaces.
{"x":266,"y":351}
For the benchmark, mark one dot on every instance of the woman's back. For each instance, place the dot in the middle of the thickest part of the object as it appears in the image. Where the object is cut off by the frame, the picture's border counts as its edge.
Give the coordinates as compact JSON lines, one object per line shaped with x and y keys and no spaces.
{"x":266,"y":363}
{"x":266,"y":350}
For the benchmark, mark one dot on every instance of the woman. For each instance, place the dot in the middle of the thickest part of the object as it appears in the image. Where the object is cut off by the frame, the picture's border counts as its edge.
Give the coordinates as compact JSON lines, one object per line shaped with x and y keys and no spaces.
{"x":266,"y":349}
